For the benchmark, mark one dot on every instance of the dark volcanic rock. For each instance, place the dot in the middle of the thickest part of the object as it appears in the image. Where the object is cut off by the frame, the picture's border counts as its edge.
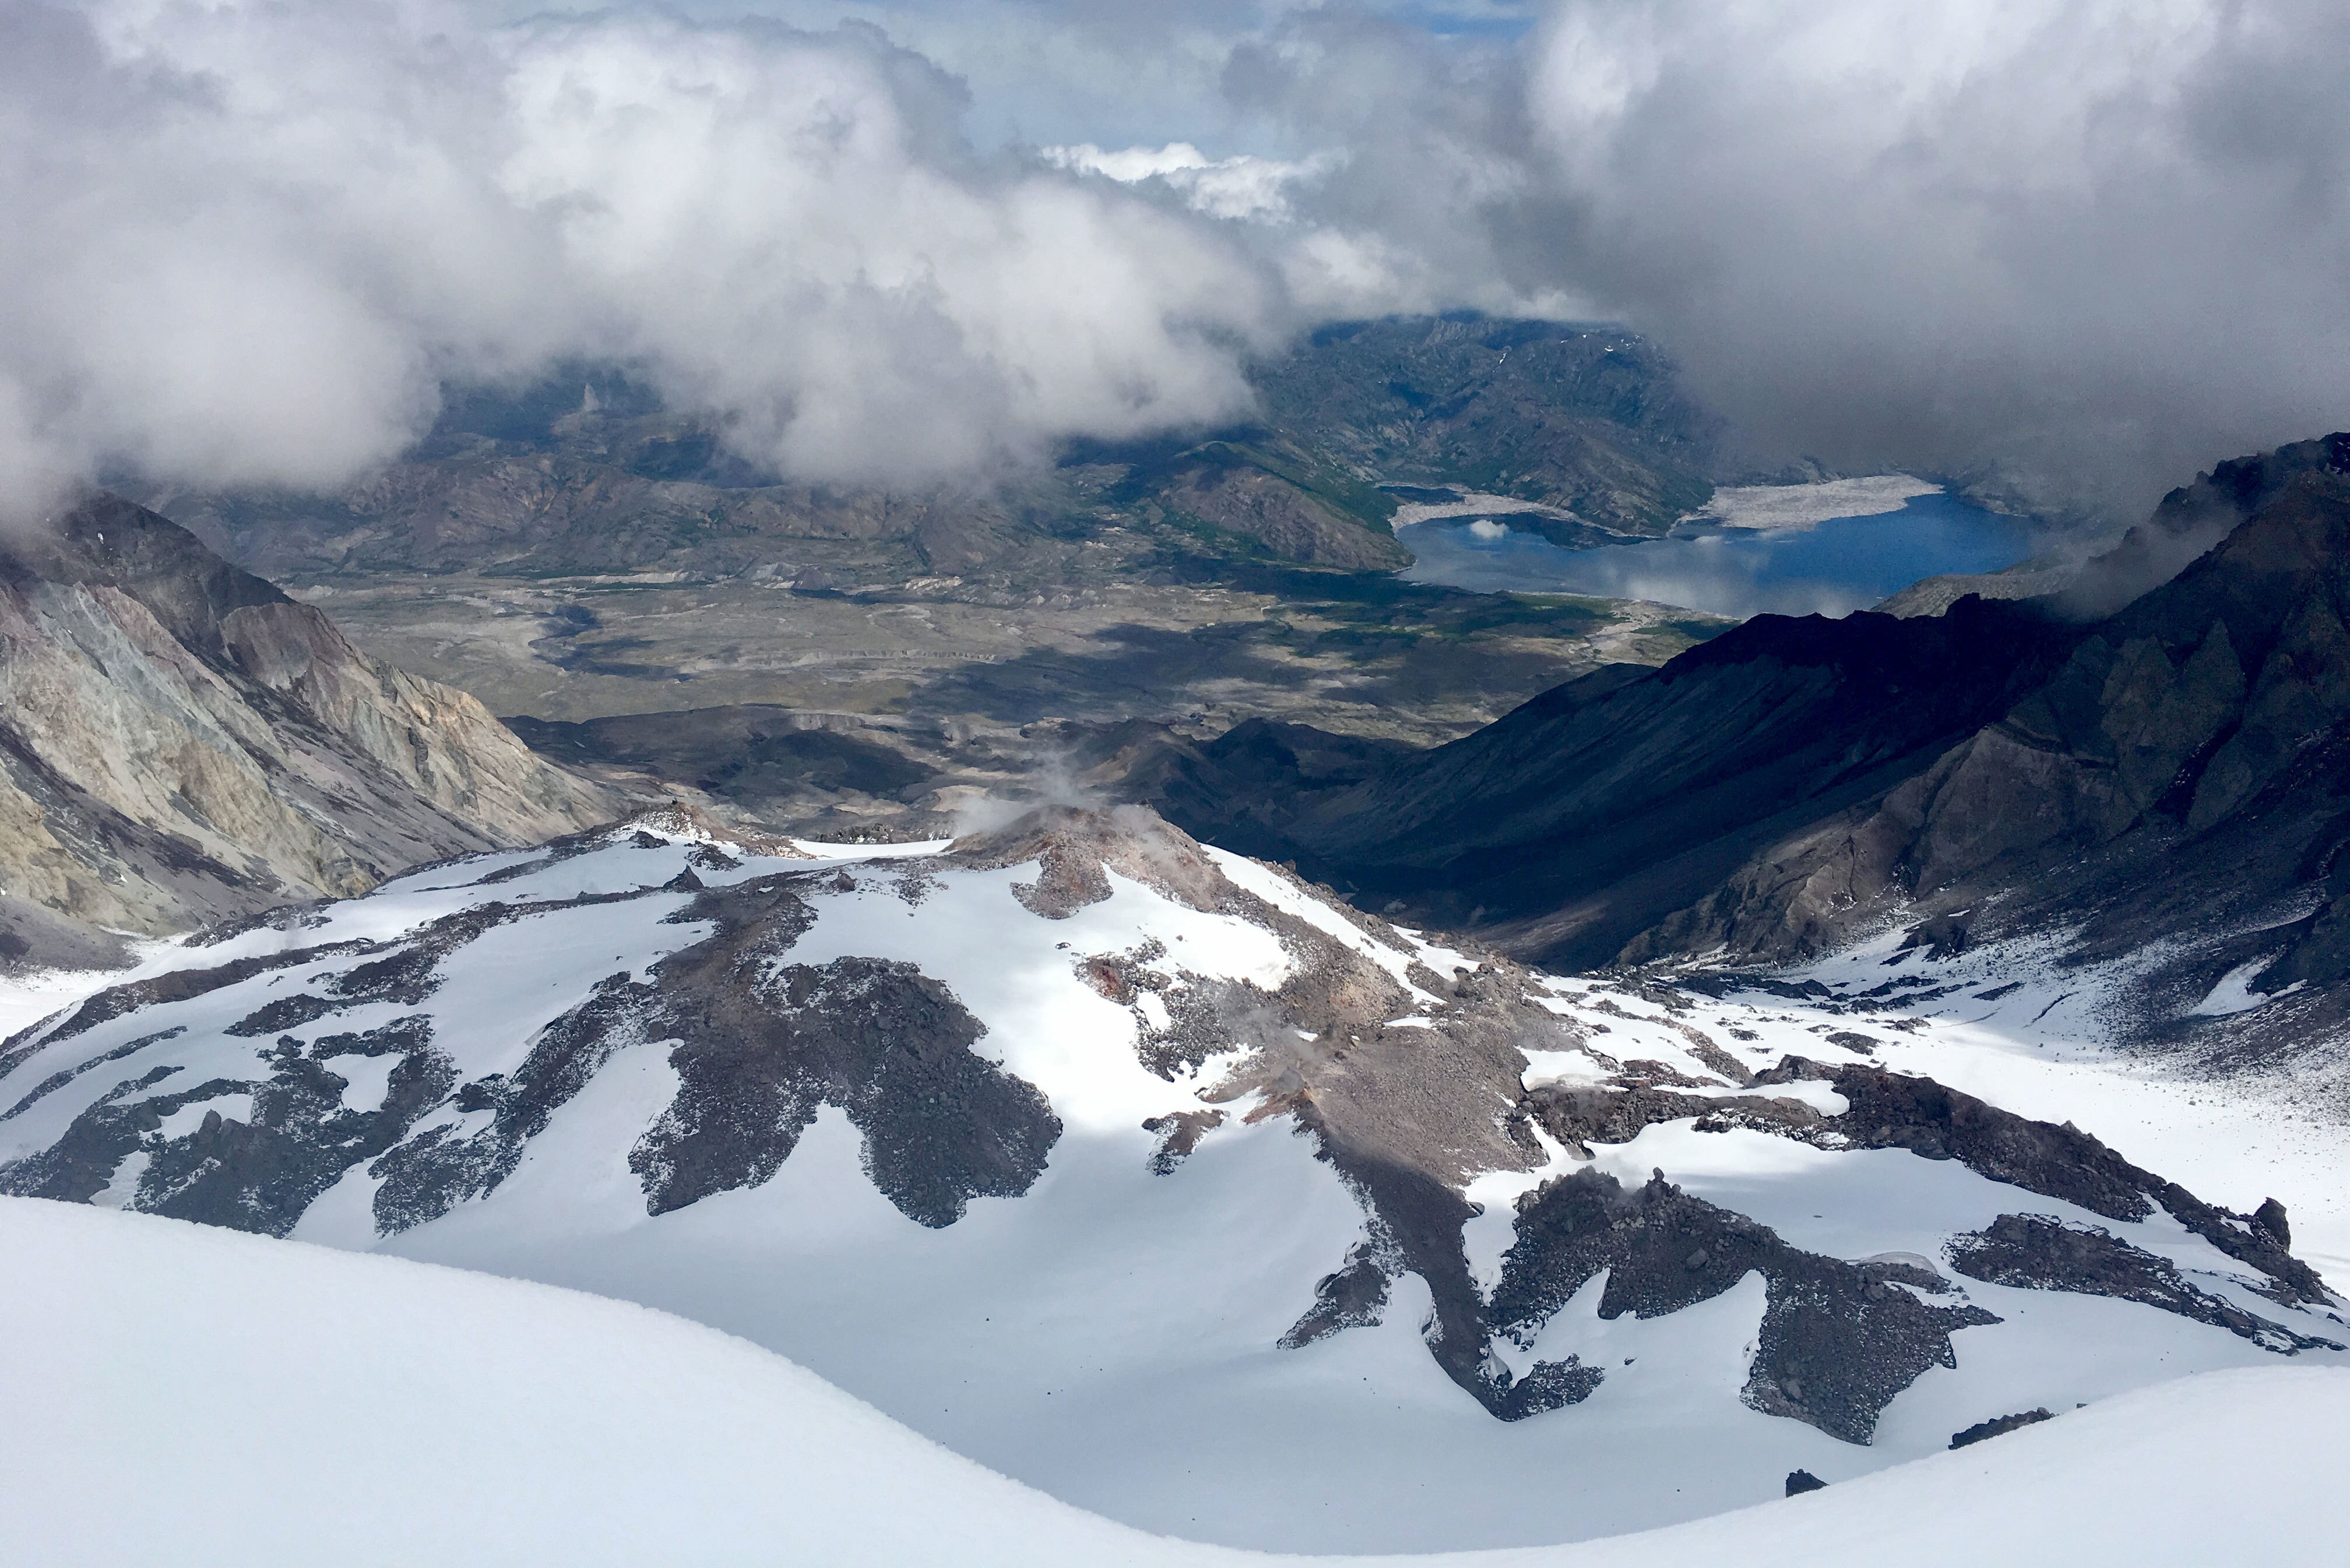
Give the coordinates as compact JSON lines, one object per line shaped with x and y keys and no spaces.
{"x":286,"y":1013}
{"x":1548,"y":1386}
{"x":1838,"y":1341}
{"x":261,"y":1175}
{"x":761,"y":1047}
{"x":426,"y":1176}
{"x":177,"y":985}
{"x":259,"y":1171}
{"x":1892,"y":1110}
{"x":1180,"y":1133}
{"x":2040,"y":1253}
{"x":889,"y":1045}
{"x":1580,"y":1117}
{"x":77,"y":1167}
{"x":758,"y":1053}
{"x":59,"y":1080}
{"x":1801,"y":1481}
{"x":1354,"y":1297}
{"x":1998,"y":1427}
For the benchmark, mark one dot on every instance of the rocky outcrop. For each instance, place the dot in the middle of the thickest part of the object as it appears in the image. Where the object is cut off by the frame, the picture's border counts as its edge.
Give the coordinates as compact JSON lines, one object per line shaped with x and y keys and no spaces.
{"x":2040,"y":1253}
{"x":1893,"y":1110}
{"x":1999,"y":1426}
{"x":179,"y":741}
{"x":758,"y":1057}
{"x":1837,"y":1341}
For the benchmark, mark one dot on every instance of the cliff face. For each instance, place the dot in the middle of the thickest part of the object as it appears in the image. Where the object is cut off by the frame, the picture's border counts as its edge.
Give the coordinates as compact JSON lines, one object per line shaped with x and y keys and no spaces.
{"x":2204,"y":726}
{"x":180,"y":741}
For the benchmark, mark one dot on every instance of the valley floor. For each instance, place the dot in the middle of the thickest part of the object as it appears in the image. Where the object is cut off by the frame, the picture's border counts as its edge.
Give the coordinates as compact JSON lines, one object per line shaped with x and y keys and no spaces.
{"x":939,"y":683}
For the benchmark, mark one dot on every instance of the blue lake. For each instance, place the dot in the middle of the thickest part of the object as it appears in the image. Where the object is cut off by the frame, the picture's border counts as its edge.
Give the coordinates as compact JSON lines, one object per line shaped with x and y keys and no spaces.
{"x":1833,"y":567}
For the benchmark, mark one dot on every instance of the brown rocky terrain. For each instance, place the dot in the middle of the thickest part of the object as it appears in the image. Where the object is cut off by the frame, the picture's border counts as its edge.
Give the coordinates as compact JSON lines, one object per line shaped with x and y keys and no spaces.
{"x":181,"y":742}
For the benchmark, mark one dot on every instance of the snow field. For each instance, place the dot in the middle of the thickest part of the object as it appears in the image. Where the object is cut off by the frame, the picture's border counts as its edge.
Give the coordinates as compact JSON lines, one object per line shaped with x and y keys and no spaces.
{"x":1110,"y":1336}
{"x":1789,"y":507}
{"x":1018,"y":973}
{"x":289,"y":1404}
{"x":2041,"y":1049}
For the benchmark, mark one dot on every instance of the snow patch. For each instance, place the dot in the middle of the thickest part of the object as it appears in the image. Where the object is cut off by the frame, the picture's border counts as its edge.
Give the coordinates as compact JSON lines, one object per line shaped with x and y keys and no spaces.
{"x":367,"y":1079}
{"x":1779,"y":507}
{"x":179,"y":1124}
{"x":1564,"y":1069}
{"x":124,"y":1185}
{"x":516,"y":1423}
{"x":2234,"y":993}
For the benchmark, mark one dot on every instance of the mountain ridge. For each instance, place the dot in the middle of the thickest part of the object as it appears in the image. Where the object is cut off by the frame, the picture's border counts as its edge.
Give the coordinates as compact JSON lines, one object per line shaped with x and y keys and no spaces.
{"x":182,"y":742}
{"x":1080,"y":1117}
{"x":1794,"y":784}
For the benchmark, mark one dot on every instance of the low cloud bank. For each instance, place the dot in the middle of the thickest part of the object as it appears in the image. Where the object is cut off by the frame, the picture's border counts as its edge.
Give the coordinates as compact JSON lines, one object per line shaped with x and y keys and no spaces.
{"x":2082,"y":247}
{"x":2078,"y":248}
{"x":249,"y":243}
{"x":2098,"y":244}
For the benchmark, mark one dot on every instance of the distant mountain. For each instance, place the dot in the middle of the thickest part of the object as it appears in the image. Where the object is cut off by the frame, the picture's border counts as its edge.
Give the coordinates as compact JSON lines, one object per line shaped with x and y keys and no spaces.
{"x":1161,"y":1179}
{"x":180,"y":741}
{"x":1589,"y":418}
{"x":587,"y":474}
{"x":2170,"y":782}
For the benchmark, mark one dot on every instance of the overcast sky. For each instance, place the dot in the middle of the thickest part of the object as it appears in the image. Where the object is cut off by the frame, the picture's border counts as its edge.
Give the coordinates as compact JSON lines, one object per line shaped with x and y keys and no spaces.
{"x":2091,"y":244}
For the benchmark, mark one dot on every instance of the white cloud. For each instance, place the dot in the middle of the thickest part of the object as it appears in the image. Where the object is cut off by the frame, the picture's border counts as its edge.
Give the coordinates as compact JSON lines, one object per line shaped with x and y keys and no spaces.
{"x":2099,"y":242}
{"x":247,"y":243}
{"x":1241,"y":186}
{"x":781,"y":234}
{"x":2092,"y":245}
{"x":2096,"y":243}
